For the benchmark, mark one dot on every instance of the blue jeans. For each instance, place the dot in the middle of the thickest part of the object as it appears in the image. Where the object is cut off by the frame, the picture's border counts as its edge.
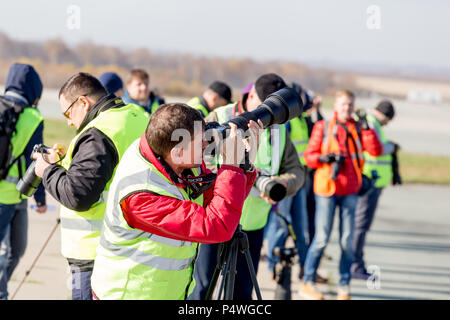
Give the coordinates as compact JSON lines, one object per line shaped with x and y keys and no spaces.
{"x":294,"y":210}
{"x":6,"y":215}
{"x":13,"y":245}
{"x":365,"y":212}
{"x":326,"y":207}
{"x":81,"y":285}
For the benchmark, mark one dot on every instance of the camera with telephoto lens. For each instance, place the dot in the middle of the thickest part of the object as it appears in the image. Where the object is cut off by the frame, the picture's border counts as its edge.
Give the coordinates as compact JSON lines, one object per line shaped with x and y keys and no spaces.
{"x":30,"y":181}
{"x":272,"y":189}
{"x":279,"y":107}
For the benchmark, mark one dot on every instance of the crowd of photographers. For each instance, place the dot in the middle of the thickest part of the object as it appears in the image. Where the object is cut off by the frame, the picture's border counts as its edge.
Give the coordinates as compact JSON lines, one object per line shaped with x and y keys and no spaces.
{"x":143,"y":214}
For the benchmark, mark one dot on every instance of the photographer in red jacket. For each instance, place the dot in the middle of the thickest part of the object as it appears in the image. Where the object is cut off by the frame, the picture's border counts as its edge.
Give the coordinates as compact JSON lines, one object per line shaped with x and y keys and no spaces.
{"x":335,"y":150}
{"x":156,"y":212}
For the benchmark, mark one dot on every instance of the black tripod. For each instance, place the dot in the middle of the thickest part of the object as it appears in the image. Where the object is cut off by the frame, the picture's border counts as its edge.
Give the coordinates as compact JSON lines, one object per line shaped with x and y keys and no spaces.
{"x":226,"y":262}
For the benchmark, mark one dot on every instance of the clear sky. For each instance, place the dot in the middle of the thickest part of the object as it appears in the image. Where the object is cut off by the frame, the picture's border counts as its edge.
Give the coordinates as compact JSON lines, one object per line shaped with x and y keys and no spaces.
{"x":412,"y":32}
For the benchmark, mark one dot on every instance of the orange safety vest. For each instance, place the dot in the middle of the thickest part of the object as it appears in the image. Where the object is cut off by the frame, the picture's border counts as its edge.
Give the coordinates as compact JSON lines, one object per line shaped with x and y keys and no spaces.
{"x":323,"y":184}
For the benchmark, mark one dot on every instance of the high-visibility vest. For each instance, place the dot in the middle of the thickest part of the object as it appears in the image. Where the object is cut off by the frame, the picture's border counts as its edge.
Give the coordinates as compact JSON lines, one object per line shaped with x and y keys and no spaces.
{"x":268,"y":159}
{"x":29,"y":120}
{"x":323,"y":184}
{"x":80,"y":230}
{"x":132,"y":263}
{"x":225,"y":113}
{"x":381,"y":164}
{"x":154,"y":106}
{"x":197,"y":104}
{"x":299,"y":136}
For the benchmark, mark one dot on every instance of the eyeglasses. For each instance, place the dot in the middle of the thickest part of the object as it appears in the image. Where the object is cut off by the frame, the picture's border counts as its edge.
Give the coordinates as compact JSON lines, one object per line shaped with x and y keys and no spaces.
{"x":65,"y":113}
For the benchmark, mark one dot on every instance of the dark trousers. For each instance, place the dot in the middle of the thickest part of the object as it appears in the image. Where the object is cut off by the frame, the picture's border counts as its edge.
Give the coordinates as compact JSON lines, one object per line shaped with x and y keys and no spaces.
{"x":207,"y":261}
{"x":364,"y":215}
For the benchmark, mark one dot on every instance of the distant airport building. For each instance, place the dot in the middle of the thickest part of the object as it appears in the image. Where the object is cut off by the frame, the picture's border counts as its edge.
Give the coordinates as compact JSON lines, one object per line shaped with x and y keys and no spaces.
{"x":425,"y":95}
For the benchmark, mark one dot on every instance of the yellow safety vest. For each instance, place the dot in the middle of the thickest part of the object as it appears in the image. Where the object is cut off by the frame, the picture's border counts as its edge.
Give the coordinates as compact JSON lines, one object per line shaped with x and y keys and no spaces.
{"x":134,"y":264}
{"x":26,"y":125}
{"x":80,"y":231}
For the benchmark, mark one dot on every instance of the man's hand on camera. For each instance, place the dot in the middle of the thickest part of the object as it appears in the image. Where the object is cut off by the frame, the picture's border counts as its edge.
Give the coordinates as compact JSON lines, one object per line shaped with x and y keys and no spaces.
{"x":280,"y":181}
{"x":52,"y":156}
{"x":233,"y":147}
{"x":252,"y":143}
{"x":328,"y":158}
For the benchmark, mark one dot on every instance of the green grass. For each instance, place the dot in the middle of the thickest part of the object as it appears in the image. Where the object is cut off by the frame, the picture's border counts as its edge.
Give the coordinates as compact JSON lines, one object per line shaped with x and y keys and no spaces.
{"x":424,"y":168}
{"x":414,"y":168}
{"x":57,"y":131}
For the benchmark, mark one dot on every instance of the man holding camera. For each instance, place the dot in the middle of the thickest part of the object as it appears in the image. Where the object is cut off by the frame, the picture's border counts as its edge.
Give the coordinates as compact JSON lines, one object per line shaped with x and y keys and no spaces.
{"x":105,"y":128}
{"x":163,"y":202}
{"x":276,"y":158}
{"x":23,"y":90}
{"x":336,"y":149}
{"x":380,"y":116}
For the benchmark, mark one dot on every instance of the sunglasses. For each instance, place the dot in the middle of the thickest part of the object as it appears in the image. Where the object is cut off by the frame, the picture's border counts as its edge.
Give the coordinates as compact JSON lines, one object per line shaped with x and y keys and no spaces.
{"x":66,"y":113}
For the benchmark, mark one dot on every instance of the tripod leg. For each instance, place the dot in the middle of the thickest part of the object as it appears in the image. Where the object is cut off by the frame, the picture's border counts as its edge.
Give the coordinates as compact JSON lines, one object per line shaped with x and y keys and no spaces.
{"x":225,"y":270}
{"x":231,"y":272}
{"x":251,"y":269}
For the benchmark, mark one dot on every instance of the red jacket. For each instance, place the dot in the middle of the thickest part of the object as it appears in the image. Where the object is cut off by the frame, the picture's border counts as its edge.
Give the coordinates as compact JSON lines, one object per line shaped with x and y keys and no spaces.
{"x":213,"y":222}
{"x":347,"y":180}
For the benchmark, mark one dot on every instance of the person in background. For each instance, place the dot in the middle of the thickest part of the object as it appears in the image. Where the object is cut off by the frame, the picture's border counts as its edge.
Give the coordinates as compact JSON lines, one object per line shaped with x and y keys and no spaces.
{"x":217,"y":95}
{"x":112,"y":83}
{"x":80,"y":181}
{"x":382,"y":165}
{"x":138,"y":91}
{"x":335,"y":150}
{"x":276,"y":158}
{"x":23,"y":88}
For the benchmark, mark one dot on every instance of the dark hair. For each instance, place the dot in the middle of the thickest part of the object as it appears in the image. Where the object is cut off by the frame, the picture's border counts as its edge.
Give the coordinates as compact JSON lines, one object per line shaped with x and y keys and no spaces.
{"x":165,"y":121}
{"x":82,"y":84}
{"x":267,"y":84}
{"x":138,"y":74}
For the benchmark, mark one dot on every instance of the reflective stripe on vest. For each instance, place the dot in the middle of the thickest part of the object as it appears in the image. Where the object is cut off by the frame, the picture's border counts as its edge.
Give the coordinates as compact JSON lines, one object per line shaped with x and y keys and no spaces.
{"x":29,"y":120}
{"x":134,"y":264}
{"x":80,"y":231}
{"x":381,"y":164}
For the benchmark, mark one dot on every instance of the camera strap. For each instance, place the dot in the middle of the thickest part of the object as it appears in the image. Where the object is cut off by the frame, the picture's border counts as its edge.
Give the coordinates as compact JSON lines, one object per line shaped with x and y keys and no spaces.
{"x":197,"y":184}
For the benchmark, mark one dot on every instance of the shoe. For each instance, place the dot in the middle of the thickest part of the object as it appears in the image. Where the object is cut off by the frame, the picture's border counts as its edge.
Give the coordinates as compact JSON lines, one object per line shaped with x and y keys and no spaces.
{"x":320,"y":279}
{"x":302,"y":273}
{"x":362,"y":275}
{"x":309,"y":292}
{"x":343,"y":293}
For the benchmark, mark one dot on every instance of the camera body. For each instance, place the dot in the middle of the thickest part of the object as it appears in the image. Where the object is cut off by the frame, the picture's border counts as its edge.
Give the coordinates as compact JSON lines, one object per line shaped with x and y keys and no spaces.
{"x":28,"y":184}
{"x":336,"y":166}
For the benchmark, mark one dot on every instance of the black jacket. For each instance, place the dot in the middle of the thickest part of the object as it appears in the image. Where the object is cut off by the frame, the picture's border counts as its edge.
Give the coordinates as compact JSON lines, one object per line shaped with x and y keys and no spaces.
{"x":94,"y":158}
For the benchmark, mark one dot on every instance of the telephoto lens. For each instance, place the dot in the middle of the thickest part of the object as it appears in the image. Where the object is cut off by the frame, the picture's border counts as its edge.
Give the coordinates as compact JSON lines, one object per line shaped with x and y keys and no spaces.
{"x":30,"y":181}
{"x":279,"y":107}
{"x":272,"y":189}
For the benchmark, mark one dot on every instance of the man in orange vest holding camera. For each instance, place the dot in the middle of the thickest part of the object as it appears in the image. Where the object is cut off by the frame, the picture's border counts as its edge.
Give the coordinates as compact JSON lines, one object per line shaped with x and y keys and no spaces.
{"x":335,"y":149}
